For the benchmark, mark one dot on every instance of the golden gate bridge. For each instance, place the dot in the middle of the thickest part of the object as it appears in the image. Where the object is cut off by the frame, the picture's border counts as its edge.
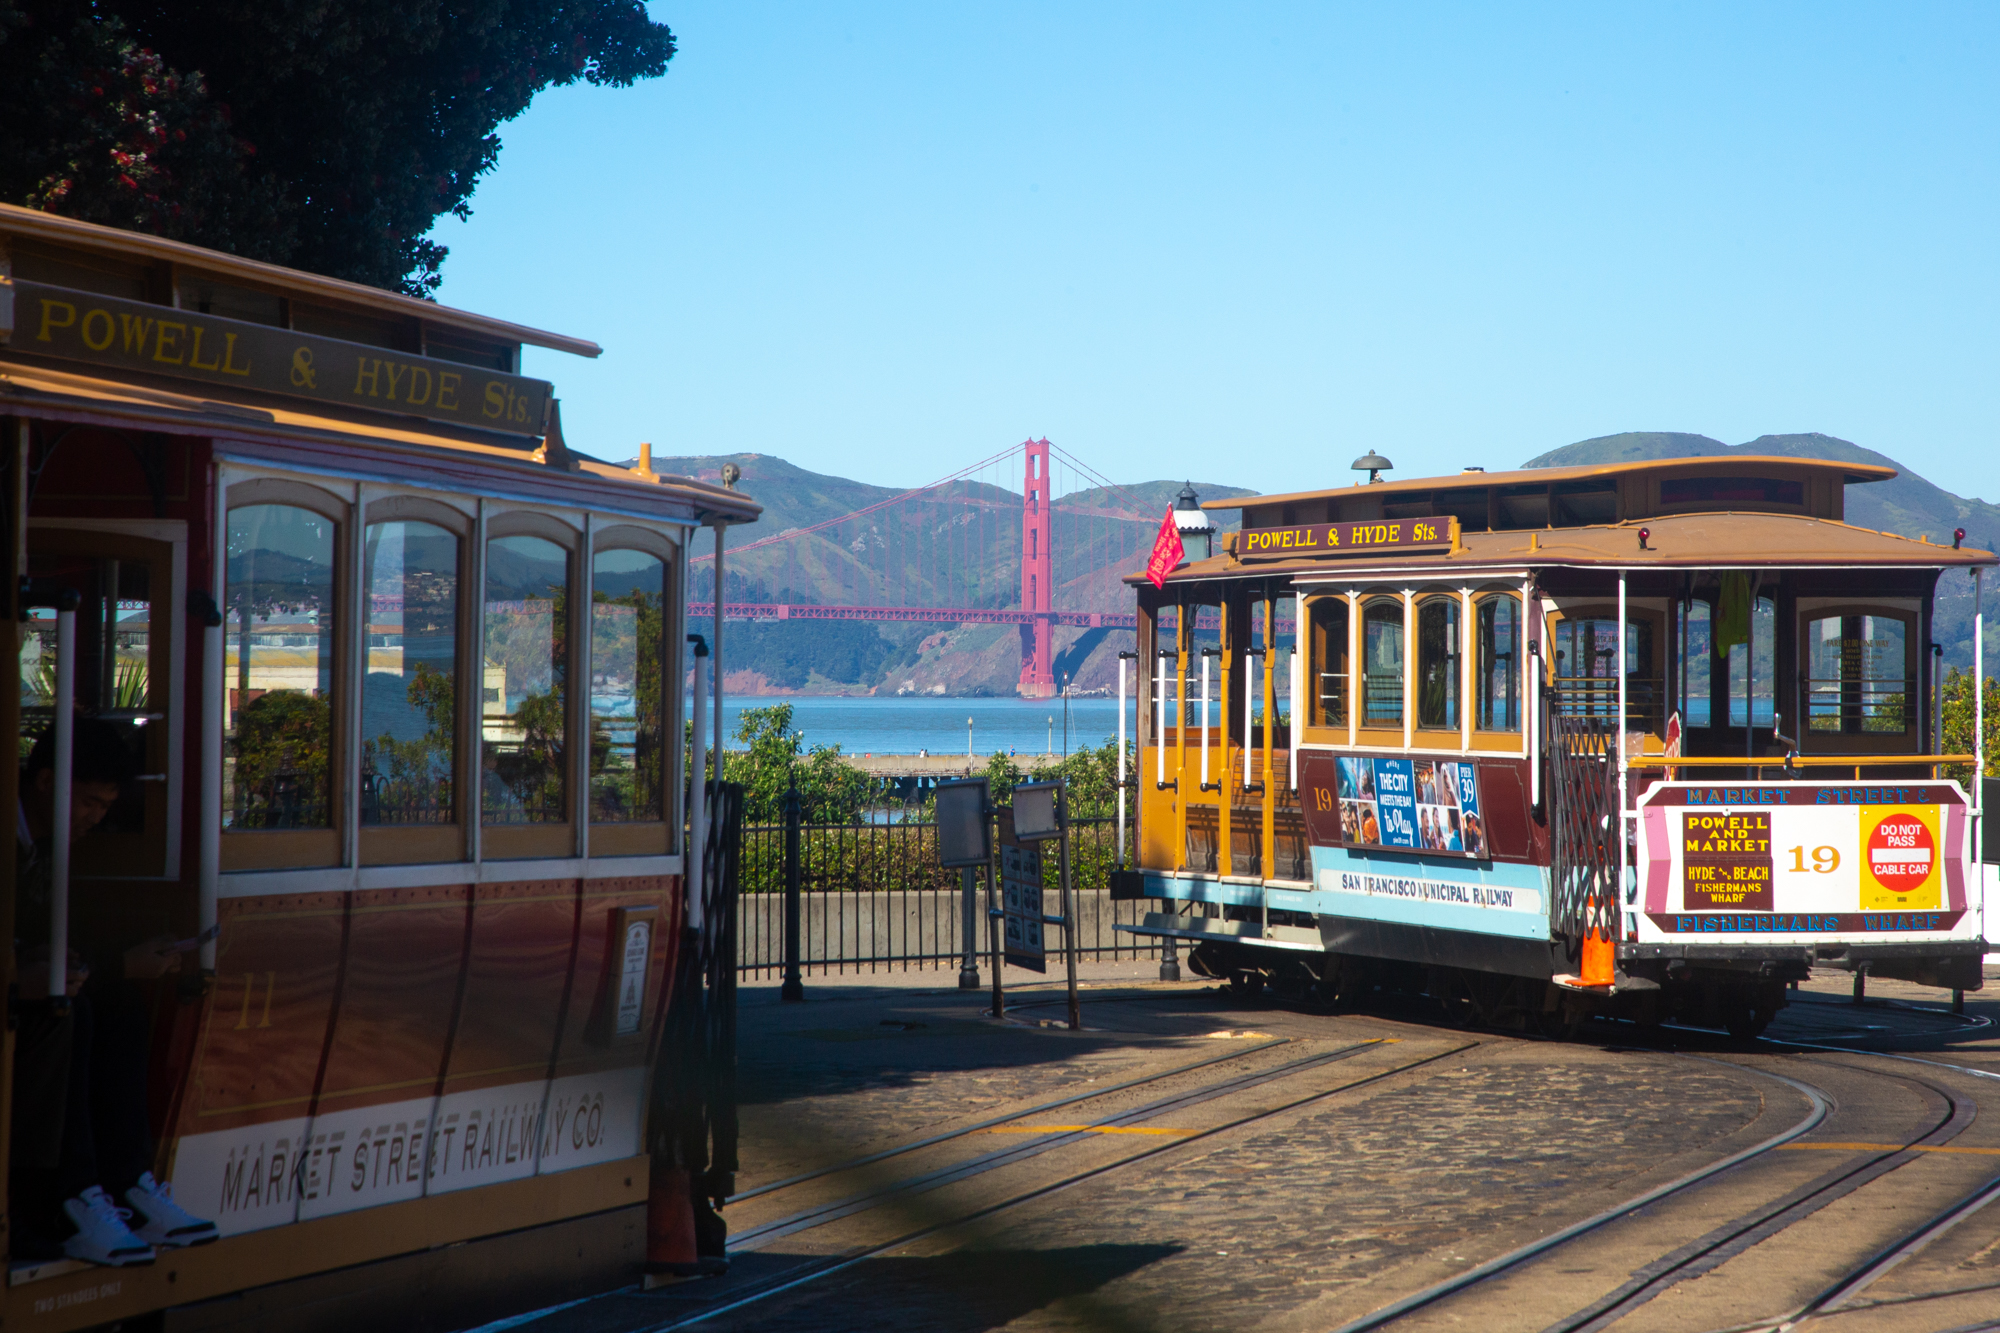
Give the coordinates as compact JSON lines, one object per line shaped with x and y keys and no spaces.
{"x":968,"y":549}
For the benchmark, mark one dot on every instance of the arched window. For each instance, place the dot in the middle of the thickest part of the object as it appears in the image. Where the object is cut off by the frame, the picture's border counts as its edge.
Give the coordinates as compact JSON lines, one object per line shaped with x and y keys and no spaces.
{"x":1328,"y":703}
{"x":1497,"y":684}
{"x":1382,"y":663}
{"x":524,"y":694}
{"x":1438,"y":656}
{"x":629,"y":662}
{"x":409,"y":713}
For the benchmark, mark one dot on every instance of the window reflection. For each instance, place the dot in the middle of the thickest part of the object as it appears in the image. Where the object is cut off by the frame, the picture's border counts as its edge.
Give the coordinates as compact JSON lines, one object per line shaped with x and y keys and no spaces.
{"x":1858,"y":675}
{"x":408,"y":719}
{"x":523,"y":679}
{"x":278,"y":657}
{"x":1499,"y":665}
{"x":1382,"y":664}
{"x":627,"y":687}
{"x":1437,"y":663}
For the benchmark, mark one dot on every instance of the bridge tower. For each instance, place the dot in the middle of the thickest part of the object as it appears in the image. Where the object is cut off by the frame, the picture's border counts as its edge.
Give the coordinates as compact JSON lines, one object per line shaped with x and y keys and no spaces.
{"x":1038,"y":676}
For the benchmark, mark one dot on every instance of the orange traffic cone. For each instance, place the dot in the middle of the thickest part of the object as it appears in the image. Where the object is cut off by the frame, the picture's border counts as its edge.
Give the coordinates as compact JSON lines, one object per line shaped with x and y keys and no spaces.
{"x":670,"y":1240}
{"x":1598,"y":951}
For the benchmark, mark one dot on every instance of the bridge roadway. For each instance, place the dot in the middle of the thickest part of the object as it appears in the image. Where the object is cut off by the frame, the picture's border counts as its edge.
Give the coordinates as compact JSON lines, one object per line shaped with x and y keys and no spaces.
{"x":940,"y":615}
{"x":1199,"y":1159}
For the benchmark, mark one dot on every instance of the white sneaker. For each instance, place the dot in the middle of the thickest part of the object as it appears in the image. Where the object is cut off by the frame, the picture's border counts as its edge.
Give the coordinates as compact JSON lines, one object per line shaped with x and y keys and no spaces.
{"x":101,"y":1234}
{"x":161,"y":1220}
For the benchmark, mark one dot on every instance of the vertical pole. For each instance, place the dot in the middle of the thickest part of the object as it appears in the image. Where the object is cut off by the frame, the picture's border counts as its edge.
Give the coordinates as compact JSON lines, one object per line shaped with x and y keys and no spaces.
{"x":715,"y":650}
{"x":1121,"y":759}
{"x":968,"y":969}
{"x":693,"y":879}
{"x":215,"y":717}
{"x":1069,"y":907}
{"x":1978,"y":792}
{"x":1160,"y":732}
{"x":1299,"y":688}
{"x":64,"y":727}
{"x":1269,"y":840}
{"x":1624,"y":774}
{"x":794,"y":987}
{"x":1356,"y":683}
{"x":993,"y":919}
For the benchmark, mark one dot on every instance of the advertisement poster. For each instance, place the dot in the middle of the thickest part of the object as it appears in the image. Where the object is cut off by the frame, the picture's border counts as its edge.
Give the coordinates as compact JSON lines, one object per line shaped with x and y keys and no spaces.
{"x":1415,"y":805}
{"x":1804,"y":858}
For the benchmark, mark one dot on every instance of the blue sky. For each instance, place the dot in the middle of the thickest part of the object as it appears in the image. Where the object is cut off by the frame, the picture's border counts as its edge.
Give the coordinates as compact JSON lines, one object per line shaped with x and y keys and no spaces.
{"x":1247,"y":243}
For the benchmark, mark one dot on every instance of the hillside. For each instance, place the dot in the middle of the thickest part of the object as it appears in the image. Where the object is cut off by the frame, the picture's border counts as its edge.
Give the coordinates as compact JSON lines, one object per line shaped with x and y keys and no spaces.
{"x":956,"y":545}
{"x":1907,"y":504}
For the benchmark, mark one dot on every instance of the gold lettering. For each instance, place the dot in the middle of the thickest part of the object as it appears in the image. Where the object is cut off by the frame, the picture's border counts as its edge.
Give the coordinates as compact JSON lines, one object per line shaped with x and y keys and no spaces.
{"x":229,"y":366}
{"x":49,"y":320}
{"x":194,"y":354}
{"x":110,"y":329}
{"x":164,"y":342}
{"x":416,"y":399}
{"x":137,"y":331}
{"x":1395,"y":532}
{"x":448,"y":386}
{"x":369,"y":369}
{"x":1333,"y":536}
{"x":495,"y":402}
{"x":395,"y":378}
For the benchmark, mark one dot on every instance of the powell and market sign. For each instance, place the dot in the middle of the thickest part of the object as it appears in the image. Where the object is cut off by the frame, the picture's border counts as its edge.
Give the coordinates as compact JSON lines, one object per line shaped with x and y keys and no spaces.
{"x":1366,"y":537}
{"x":159,"y":340}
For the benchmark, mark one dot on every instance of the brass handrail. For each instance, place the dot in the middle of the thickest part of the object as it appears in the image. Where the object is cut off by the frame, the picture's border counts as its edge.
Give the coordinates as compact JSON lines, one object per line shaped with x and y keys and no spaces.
{"x":1801,"y":761}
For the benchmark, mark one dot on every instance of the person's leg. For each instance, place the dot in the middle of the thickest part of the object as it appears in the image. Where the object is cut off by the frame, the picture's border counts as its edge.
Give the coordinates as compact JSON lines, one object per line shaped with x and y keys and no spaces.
{"x":118,"y":1107}
{"x":42,"y":1062}
{"x":76,"y":1165}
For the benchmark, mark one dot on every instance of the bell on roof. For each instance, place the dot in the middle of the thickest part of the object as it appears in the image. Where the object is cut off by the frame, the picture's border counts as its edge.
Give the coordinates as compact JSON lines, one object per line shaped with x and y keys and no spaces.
{"x":1374,"y":465}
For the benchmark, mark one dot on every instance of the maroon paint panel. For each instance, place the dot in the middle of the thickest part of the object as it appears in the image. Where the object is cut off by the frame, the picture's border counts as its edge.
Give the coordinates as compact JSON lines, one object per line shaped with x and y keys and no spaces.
{"x":516,"y":976}
{"x":1319,"y":797}
{"x":264,"y":1023}
{"x":577,"y":1053}
{"x":405,"y":950}
{"x":1503,"y":798}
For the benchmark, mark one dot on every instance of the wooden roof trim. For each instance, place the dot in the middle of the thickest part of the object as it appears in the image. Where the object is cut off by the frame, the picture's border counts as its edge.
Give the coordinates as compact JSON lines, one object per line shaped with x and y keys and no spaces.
{"x":33,"y":224}
{"x":1853,"y":472}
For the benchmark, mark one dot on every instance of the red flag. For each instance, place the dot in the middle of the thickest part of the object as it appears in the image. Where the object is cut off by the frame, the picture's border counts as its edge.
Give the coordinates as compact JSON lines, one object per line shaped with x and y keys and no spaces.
{"x":1167,"y":551}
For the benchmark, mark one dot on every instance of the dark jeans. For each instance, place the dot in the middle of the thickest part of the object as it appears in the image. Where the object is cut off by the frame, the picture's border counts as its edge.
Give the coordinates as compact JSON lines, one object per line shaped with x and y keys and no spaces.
{"x":90,"y":1109}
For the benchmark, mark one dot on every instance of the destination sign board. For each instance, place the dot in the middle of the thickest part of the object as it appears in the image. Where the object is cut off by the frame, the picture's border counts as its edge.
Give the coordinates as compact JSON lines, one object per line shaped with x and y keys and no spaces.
{"x":1364,"y":537}
{"x":184,"y":344}
{"x":1804,"y":859}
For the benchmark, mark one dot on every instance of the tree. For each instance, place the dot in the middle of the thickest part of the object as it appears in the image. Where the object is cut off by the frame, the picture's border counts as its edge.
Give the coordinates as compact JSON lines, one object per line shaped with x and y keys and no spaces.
{"x":774,"y":759}
{"x":1958,"y":728}
{"x":327,"y":136}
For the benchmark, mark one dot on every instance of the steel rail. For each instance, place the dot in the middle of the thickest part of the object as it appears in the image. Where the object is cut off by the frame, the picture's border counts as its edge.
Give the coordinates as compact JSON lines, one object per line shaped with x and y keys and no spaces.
{"x":1819,"y":1108}
{"x":1038,"y":1109}
{"x":861,"y":1255}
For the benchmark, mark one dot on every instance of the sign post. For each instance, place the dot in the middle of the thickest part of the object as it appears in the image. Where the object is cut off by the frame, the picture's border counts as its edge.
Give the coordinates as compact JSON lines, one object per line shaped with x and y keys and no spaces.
{"x":963,"y":841}
{"x":1041,"y":815}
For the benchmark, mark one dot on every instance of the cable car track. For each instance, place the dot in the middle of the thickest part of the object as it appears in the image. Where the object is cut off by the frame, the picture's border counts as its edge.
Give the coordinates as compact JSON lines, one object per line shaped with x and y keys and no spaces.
{"x":847,"y":1259}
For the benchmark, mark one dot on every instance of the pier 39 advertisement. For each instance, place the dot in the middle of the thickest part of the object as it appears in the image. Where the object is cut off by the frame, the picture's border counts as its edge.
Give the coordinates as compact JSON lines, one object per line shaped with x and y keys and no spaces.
{"x":1804,"y":859}
{"x":1411,"y":805}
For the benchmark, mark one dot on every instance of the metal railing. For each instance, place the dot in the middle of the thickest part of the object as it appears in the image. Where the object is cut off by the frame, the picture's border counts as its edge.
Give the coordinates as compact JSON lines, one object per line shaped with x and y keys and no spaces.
{"x":873,"y":898}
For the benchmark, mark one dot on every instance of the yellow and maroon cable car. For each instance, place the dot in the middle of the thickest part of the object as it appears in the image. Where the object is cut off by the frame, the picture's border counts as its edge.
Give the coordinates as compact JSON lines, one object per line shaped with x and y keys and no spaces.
{"x":1648,"y":739}
{"x":400,"y":675}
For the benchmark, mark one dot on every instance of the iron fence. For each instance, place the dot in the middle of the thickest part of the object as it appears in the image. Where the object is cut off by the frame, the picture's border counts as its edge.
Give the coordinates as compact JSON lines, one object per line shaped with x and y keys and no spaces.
{"x":873,"y":898}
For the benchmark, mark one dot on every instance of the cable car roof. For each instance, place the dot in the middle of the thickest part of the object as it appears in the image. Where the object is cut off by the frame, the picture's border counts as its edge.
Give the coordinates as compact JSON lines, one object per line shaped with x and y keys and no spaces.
{"x":1723,"y":465}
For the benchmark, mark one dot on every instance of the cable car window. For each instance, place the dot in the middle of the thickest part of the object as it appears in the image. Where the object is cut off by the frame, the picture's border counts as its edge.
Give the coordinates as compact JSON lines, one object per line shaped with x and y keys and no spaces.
{"x":1732,"y":490}
{"x":409,"y":730}
{"x":1586,"y":675}
{"x":523,"y":687}
{"x":1382,"y":663}
{"x":278,"y":604}
{"x":1329,"y":661}
{"x":1697,"y":658}
{"x":1438,"y":656}
{"x":1499,"y":663}
{"x":1858,"y":678}
{"x":1751,"y":665}
{"x":627,"y":687}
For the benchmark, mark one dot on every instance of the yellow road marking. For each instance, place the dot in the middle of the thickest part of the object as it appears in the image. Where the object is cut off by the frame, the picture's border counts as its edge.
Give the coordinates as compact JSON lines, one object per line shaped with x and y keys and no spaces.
{"x":1885,"y":1147}
{"x":1080,"y":1129}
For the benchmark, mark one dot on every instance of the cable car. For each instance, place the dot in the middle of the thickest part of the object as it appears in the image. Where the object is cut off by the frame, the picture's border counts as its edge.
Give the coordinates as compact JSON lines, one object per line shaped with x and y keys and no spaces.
{"x":1647,"y":739}
{"x":394,"y":676}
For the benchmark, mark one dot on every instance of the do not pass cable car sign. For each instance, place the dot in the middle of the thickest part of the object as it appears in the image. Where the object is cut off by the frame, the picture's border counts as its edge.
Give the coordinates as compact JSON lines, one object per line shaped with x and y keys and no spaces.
{"x":1806,"y":860}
